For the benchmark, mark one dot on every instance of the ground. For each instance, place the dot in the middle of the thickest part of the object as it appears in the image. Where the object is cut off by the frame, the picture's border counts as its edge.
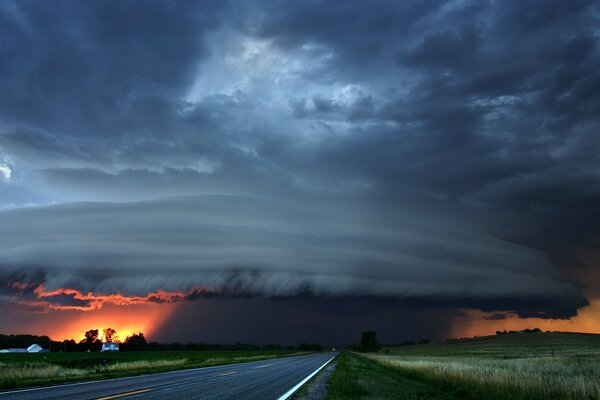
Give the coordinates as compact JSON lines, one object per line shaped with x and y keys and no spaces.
{"x":504,"y":367}
{"x":358,"y":378}
{"x":529,"y":366}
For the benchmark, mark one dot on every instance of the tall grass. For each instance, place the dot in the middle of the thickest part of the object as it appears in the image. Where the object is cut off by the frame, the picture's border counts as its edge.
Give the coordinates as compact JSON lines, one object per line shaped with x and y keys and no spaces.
{"x":145,"y":364}
{"x":13,"y":375}
{"x":547,"y":377}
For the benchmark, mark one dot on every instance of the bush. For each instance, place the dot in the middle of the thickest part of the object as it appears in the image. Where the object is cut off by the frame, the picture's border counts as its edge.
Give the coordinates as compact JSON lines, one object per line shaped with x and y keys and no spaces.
{"x":368,"y":341}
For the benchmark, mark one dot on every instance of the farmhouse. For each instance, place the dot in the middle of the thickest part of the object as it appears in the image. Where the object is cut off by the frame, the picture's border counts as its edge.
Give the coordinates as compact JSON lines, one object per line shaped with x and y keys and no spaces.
{"x":110,"y":346}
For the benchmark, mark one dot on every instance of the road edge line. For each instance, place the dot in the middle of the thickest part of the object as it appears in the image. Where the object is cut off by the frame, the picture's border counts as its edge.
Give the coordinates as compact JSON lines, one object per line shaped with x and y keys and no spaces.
{"x":293,"y":390}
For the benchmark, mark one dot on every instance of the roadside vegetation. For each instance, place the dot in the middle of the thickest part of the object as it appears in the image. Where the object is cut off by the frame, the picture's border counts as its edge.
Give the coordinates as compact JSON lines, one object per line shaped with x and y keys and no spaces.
{"x":504,"y":367}
{"x":21,"y":370}
{"x":356,"y":377}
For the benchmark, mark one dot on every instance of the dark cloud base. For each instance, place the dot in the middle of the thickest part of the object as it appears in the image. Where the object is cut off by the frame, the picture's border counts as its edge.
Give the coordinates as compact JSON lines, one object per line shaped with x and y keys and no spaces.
{"x":335,"y":322}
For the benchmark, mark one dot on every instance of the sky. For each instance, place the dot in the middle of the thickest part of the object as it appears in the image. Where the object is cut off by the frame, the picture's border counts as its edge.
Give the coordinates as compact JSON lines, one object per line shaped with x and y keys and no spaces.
{"x":286,"y":171}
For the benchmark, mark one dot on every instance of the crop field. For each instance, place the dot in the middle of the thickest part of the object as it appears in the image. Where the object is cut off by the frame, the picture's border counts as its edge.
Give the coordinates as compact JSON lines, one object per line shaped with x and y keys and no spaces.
{"x":20,"y":370}
{"x":504,"y":367}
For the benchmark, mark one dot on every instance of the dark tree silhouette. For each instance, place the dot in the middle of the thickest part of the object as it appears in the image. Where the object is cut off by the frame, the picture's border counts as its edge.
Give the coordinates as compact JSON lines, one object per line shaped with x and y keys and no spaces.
{"x":90,"y":340}
{"x":135,"y":342}
{"x":90,"y":336}
{"x":368,"y":341}
{"x":110,"y":335}
{"x":310,"y":347}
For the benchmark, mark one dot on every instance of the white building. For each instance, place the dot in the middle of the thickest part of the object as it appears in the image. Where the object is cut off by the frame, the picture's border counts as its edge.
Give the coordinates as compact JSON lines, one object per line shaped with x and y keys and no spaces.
{"x":110,"y":346}
{"x":34,"y":348}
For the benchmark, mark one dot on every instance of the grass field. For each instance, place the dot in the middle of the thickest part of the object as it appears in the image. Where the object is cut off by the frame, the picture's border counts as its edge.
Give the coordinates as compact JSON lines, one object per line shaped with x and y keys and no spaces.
{"x":20,"y":370}
{"x":359,"y":378}
{"x":505,"y":367}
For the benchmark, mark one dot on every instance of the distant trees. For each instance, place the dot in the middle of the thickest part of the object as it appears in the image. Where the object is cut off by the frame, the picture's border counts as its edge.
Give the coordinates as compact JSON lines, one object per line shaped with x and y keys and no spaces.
{"x":68,"y":346}
{"x":505,"y":332}
{"x":22,"y":341}
{"x":368,"y":341}
{"x":309,"y":347}
{"x":135,"y":342}
{"x":90,"y":336}
{"x":110,"y":335}
{"x":90,"y":341}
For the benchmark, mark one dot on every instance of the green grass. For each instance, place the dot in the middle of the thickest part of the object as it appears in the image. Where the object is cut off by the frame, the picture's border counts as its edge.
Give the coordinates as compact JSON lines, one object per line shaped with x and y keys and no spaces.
{"x":505,"y":367}
{"x":355,"y":377}
{"x":510,"y":346}
{"x":21,"y":370}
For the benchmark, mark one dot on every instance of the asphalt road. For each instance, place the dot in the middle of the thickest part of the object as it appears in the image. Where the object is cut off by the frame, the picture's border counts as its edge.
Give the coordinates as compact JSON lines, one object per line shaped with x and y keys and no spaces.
{"x":260,"y":380}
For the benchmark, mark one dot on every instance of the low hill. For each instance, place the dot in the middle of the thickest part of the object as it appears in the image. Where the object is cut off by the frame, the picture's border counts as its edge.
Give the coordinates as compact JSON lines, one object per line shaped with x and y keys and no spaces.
{"x":509,"y":346}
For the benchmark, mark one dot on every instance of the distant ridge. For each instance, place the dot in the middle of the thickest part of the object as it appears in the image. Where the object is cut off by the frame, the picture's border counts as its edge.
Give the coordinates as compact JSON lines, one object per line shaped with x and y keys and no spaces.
{"x":538,"y":343}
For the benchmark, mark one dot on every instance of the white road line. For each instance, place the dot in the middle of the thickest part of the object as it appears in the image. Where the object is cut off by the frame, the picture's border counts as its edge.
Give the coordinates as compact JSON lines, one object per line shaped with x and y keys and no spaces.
{"x":290,"y":392}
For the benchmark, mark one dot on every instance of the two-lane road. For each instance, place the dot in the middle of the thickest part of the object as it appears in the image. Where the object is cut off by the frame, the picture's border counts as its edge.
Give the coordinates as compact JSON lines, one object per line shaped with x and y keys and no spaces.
{"x":269,"y":379}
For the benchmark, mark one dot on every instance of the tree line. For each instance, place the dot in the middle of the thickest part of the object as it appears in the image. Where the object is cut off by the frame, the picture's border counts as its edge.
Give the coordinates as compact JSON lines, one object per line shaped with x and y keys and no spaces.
{"x":91,"y":341}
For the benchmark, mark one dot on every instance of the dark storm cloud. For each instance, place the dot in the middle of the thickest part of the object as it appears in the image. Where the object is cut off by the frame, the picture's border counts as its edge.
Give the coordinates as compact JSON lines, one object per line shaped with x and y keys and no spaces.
{"x":496,"y":317}
{"x":76,"y":68}
{"x":257,"y":246}
{"x":438,"y":152}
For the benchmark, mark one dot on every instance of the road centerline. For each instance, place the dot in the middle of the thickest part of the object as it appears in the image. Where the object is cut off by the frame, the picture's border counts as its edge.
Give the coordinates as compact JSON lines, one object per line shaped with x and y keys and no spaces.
{"x":117,"y":396}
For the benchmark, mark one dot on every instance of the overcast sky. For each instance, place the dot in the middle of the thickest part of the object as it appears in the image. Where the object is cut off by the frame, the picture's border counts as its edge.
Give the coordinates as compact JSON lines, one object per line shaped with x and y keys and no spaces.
{"x":329,"y":161}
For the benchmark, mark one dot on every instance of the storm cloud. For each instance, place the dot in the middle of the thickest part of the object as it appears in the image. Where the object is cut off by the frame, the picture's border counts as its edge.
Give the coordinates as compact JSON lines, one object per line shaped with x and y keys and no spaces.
{"x":437,"y":154}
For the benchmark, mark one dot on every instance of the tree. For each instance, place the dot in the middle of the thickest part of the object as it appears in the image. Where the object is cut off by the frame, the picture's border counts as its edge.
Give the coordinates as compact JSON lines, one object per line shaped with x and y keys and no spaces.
{"x":90,"y":340}
{"x":90,"y":336}
{"x":135,"y":342}
{"x":368,"y":341}
{"x":68,"y":345}
{"x":110,"y":335}
{"x":310,"y":347}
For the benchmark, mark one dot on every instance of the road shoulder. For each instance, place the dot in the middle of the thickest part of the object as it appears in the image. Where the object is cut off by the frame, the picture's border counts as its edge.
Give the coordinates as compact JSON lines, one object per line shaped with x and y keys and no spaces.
{"x":316,"y":388}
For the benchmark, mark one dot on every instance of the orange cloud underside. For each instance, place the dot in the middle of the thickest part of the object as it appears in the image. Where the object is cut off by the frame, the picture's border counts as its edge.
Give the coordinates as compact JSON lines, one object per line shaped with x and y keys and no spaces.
{"x":474,"y":323}
{"x":67,"y":313}
{"x":95,"y":302}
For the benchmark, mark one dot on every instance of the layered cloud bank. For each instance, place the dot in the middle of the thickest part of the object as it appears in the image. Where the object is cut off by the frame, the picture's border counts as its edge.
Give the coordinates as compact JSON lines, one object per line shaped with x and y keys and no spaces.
{"x":256,"y":246}
{"x":435,"y":153}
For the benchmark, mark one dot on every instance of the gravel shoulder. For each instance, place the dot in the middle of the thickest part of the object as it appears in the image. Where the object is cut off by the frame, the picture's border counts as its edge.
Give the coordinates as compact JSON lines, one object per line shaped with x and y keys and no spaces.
{"x":316,"y":388}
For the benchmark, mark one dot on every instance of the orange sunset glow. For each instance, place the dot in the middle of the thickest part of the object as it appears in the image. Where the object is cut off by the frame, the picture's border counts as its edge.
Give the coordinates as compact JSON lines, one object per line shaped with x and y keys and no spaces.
{"x":66,"y":313}
{"x":474,"y":322}
{"x":126,"y":320}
